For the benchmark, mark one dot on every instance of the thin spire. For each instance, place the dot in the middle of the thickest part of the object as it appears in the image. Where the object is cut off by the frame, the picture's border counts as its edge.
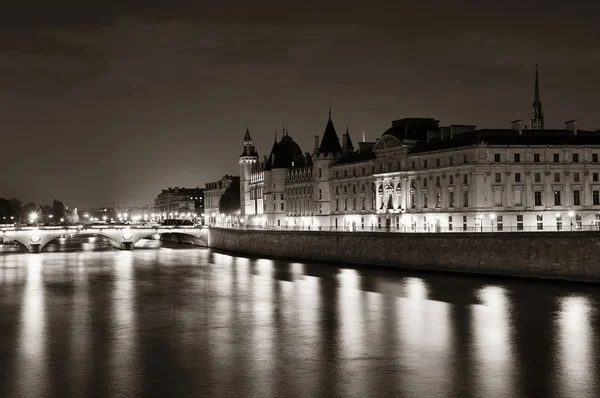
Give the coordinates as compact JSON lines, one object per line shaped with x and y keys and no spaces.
{"x":330,"y":107}
{"x":363,"y":133}
{"x":537,"y":116}
{"x":537,"y":84}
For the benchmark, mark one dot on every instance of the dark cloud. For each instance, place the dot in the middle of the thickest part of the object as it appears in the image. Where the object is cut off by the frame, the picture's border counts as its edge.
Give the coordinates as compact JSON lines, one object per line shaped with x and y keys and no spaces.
{"x":116,"y":102}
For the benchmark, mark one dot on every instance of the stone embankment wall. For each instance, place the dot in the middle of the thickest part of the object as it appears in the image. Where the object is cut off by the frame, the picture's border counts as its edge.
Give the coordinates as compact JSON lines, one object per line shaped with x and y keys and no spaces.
{"x":560,"y":255}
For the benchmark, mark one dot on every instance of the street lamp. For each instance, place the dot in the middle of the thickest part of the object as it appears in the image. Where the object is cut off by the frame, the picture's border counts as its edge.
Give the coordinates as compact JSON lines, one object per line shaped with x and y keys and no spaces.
{"x":492,"y":218}
{"x":33,"y":217}
{"x":480,"y":218}
{"x":571,"y":214}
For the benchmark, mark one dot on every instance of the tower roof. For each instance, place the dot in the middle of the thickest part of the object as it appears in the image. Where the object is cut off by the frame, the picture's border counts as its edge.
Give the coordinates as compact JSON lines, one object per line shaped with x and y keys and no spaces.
{"x":285,"y":154}
{"x":249,"y":149}
{"x":330,"y":142}
{"x":347,"y":140}
{"x":247,"y":137}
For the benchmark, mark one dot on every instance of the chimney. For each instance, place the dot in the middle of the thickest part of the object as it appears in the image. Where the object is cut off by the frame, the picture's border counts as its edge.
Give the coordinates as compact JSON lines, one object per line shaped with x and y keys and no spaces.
{"x":517,"y":125}
{"x":316,"y":143}
{"x":572,"y":126}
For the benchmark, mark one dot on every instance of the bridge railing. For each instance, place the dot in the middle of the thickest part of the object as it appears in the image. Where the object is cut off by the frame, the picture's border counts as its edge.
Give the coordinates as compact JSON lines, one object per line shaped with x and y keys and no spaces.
{"x":431,"y":229}
{"x":76,"y":228}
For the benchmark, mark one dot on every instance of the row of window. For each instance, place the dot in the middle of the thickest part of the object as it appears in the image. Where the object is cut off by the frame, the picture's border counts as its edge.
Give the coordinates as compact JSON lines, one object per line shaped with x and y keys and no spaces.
{"x":537,"y":177}
{"x":555,"y":157}
{"x":363,"y":171}
{"x":537,"y":197}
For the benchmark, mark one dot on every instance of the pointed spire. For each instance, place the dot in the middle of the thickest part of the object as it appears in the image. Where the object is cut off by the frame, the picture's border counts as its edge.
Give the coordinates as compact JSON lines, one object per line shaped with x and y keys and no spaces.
{"x":329,"y":107}
{"x":536,"y":94}
{"x":537,"y":116}
{"x":247,"y":138}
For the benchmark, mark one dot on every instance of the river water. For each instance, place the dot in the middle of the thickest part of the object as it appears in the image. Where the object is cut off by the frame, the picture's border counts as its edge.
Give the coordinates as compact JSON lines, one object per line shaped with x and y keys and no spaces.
{"x":180,"y":321}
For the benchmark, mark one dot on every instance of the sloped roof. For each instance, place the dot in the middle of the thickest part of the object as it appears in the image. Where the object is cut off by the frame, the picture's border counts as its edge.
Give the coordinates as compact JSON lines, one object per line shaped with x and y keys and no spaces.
{"x":347,"y":134}
{"x":284,"y":154}
{"x":412,"y":128}
{"x":330,"y":142}
{"x":512,"y":137}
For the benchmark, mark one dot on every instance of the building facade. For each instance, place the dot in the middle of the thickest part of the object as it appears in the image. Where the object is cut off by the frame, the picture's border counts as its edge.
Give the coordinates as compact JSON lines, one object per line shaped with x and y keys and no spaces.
{"x":178,"y":203}
{"x":423,"y":177}
{"x":213,"y":191}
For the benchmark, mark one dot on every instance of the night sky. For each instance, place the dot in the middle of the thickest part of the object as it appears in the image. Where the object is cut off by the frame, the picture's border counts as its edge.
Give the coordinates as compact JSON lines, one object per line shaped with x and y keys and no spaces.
{"x":114,"y":103}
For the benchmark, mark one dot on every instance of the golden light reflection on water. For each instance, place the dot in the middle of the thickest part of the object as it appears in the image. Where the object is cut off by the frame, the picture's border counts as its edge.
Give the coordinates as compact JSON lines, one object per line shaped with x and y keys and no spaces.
{"x":350,"y":314}
{"x":576,"y":347}
{"x":493,"y":345}
{"x":267,"y":328}
{"x":32,"y":363}
{"x":80,"y":333}
{"x":123,"y":348}
{"x":425,"y":349}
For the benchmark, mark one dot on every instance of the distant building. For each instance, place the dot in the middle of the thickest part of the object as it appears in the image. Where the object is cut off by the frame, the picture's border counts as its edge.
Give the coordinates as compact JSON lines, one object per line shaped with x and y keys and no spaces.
{"x":179,"y":203}
{"x":213,"y":191}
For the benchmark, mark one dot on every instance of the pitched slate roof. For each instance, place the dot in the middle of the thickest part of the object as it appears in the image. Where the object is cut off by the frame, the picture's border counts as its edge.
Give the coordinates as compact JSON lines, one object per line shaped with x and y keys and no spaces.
{"x":511,"y":137}
{"x":330,"y":142}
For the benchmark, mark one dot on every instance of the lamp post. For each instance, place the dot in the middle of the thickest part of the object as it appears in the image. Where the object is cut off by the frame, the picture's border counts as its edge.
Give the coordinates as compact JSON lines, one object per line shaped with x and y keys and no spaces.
{"x":571,"y":214}
{"x":492,"y":218}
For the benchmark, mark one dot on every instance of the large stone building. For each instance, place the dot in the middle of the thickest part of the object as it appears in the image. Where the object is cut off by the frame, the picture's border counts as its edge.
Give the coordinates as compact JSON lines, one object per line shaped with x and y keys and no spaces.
{"x":213,"y":191}
{"x":419,"y":176}
{"x":178,"y":203}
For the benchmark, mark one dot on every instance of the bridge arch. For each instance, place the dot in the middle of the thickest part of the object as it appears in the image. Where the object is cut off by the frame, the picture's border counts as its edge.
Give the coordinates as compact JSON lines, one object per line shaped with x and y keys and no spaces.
{"x":35,"y":240}
{"x":199,"y":235}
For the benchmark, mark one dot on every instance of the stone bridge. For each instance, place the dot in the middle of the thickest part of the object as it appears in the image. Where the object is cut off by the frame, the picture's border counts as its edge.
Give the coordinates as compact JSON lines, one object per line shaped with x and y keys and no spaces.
{"x":121,"y":237}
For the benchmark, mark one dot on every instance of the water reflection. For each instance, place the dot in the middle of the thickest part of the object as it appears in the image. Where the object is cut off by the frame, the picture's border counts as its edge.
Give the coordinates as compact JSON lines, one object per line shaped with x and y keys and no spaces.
{"x":198,"y":323}
{"x":124,"y":341}
{"x":32,"y":362}
{"x":492,"y":345}
{"x":576,"y":347}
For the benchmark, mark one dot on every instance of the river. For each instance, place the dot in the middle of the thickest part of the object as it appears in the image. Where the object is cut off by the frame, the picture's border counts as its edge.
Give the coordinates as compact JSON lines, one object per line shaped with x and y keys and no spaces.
{"x":83,"y":319}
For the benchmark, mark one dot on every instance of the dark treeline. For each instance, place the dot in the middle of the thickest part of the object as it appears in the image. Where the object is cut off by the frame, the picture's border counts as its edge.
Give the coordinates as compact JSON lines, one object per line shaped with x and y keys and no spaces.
{"x":12,"y":211}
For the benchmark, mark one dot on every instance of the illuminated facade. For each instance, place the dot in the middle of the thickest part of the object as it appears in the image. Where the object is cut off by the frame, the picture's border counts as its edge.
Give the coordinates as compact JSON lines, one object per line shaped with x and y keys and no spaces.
{"x":290,"y":188}
{"x":177,"y":203}
{"x":465,"y":179}
{"x":420,"y":177}
{"x":213,"y":191}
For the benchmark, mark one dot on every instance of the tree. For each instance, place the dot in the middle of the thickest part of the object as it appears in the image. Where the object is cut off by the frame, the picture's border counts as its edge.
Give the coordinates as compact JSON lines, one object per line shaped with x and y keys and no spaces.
{"x":6,"y":211}
{"x":58,"y":210}
{"x":230,"y":201}
{"x":71,"y":216}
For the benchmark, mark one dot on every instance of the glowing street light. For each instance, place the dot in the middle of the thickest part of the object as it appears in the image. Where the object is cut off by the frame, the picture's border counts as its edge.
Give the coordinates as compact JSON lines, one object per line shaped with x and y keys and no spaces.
{"x":492,"y":218}
{"x":571,"y":214}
